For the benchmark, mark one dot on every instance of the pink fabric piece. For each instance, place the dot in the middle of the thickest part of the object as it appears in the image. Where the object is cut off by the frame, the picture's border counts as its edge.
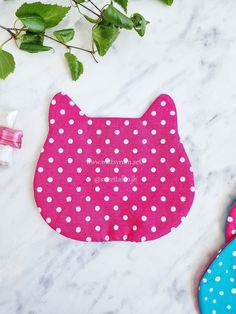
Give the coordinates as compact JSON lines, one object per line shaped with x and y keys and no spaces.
{"x":113,"y":179}
{"x":11,"y":137}
{"x":231,"y":224}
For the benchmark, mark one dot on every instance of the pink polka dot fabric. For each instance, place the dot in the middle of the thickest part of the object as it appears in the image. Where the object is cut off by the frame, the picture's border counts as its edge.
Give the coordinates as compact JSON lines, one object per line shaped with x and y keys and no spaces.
{"x":231,"y":224}
{"x":113,"y":179}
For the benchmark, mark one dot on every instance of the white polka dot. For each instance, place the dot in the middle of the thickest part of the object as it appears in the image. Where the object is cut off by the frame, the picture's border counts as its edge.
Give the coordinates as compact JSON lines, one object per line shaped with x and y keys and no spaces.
{"x":163,"y":198}
{"x":217,"y":279}
{"x":234,"y":253}
{"x":98,"y":150}
{"x":51,"y":140}
{"x":70,"y":141}
{"x":97,"y":228}
{"x":126,"y":122}
{"x":68,"y":219}
{"x":87,"y":218}
{"x":153,"y":113}
{"x":117,"y":132}
{"x":115,"y":207}
{"x":163,"y":122}
{"x":163,"y":141}
{"x":182,"y":159}
{"x":48,"y":220}
{"x":88,"y":239}
{"x":62,"y":111}
{"x":125,"y":217}
{"x":134,"y":188}
{"x":61,"y":131}
{"x":40,"y":169}
{"x":154,"y":132}
{"x":107,"y":141}
{"x":162,"y":160}
{"x":172,"y":131}
{"x":59,"y":189}
{"x":69,"y":160}
{"x":135,"y":132}
{"x":60,"y":150}
{"x":116,"y":170}
{"x":143,"y":239}
{"x":125,"y":198}
{"x":49,"y":199}
{"x":162,"y":179}
{"x":163,"y":103}
{"x":144,"y":141}
{"x":153,"y":208}
{"x":153,"y":151}
{"x":172,"y":169}
{"x":71,"y":121}
{"x":58,"y":230}
{"x":144,"y":160}
{"x":39,"y":189}
{"x":135,"y":150}
{"x":90,"y":122}
{"x":163,"y":219}
{"x":116,"y":189}
{"x":144,"y":179}
{"x":78,"y":229}
{"x":144,"y":122}
{"x":233,"y":291}
{"x":153,"y":169}
{"x":89,"y":141}
{"x":106,"y":217}
{"x":72,"y":103}
{"x":172,"y":150}
{"x":88,"y":198}
{"x":99,"y":132}
{"x":134,"y":207}
{"x":97,"y":208}
{"x":153,"y":188}
{"x":182,"y":179}
{"x":52,"y":121}
{"x":58,"y":209}
{"x":144,"y":198}
{"x":88,"y":179}
{"x":50,"y":160}
{"x":230,"y":219}
{"x":97,"y":169}
{"x":53,"y":102}
{"x":172,"y":113}
{"x":172,"y":188}
{"x":108,"y":122}
{"x":115,"y":227}
{"x":79,"y":170}
{"x":134,"y":228}
{"x":126,"y":141}
{"x":144,"y":218}
{"x":153,"y":229}
{"x":125,"y":237}
{"x":106,"y":198}
{"x":183,"y":199}
{"x":78,"y":209}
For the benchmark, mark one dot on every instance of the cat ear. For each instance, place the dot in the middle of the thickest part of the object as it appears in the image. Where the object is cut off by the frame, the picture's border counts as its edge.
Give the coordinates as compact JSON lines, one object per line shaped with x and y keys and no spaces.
{"x":162,"y":112}
{"x":63,"y":110}
{"x":230,"y":230}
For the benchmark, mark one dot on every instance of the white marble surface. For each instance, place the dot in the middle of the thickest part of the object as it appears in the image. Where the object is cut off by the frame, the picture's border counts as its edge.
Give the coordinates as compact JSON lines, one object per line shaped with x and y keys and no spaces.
{"x":189,"y":52}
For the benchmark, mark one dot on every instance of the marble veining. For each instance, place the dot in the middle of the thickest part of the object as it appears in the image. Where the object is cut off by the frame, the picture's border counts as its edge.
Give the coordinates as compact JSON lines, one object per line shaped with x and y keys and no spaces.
{"x":188,"y":52}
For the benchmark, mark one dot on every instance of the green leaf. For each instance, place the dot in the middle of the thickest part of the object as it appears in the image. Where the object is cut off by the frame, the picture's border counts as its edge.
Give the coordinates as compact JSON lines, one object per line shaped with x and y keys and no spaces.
{"x":75,"y":66}
{"x":90,"y":19}
{"x":168,"y":2}
{"x":115,"y":17}
{"x":34,"y":47}
{"x":104,"y":36}
{"x":7,"y":64}
{"x":80,"y":1}
{"x":140,"y":23}
{"x":122,"y":3}
{"x":34,"y":23}
{"x":52,"y":14}
{"x":64,"y":35}
{"x":32,"y":38}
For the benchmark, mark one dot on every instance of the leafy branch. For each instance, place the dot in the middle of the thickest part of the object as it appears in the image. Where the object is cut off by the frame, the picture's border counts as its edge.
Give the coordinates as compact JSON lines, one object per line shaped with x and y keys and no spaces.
{"x":37,"y":18}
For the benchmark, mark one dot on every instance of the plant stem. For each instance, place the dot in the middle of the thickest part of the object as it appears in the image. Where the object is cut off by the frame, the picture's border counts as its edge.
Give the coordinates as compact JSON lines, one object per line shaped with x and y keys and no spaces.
{"x":13,"y":35}
{"x":68,"y":46}
{"x":94,"y":5}
{"x":84,"y":6}
{"x":6,"y":41}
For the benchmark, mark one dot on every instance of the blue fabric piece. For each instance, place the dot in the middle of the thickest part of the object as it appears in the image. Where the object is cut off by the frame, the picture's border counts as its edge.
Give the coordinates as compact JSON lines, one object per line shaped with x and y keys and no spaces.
{"x":217,"y":290}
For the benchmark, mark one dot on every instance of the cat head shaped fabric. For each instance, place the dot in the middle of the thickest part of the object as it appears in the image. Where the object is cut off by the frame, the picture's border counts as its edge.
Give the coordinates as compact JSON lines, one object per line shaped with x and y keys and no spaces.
{"x":231,"y":224}
{"x":113,"y":179}
{"x":217,"y":288}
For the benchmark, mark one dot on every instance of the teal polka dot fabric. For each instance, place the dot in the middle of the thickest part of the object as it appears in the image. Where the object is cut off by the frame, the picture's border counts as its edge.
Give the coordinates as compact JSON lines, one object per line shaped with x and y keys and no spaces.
{"x":217,"y":288}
